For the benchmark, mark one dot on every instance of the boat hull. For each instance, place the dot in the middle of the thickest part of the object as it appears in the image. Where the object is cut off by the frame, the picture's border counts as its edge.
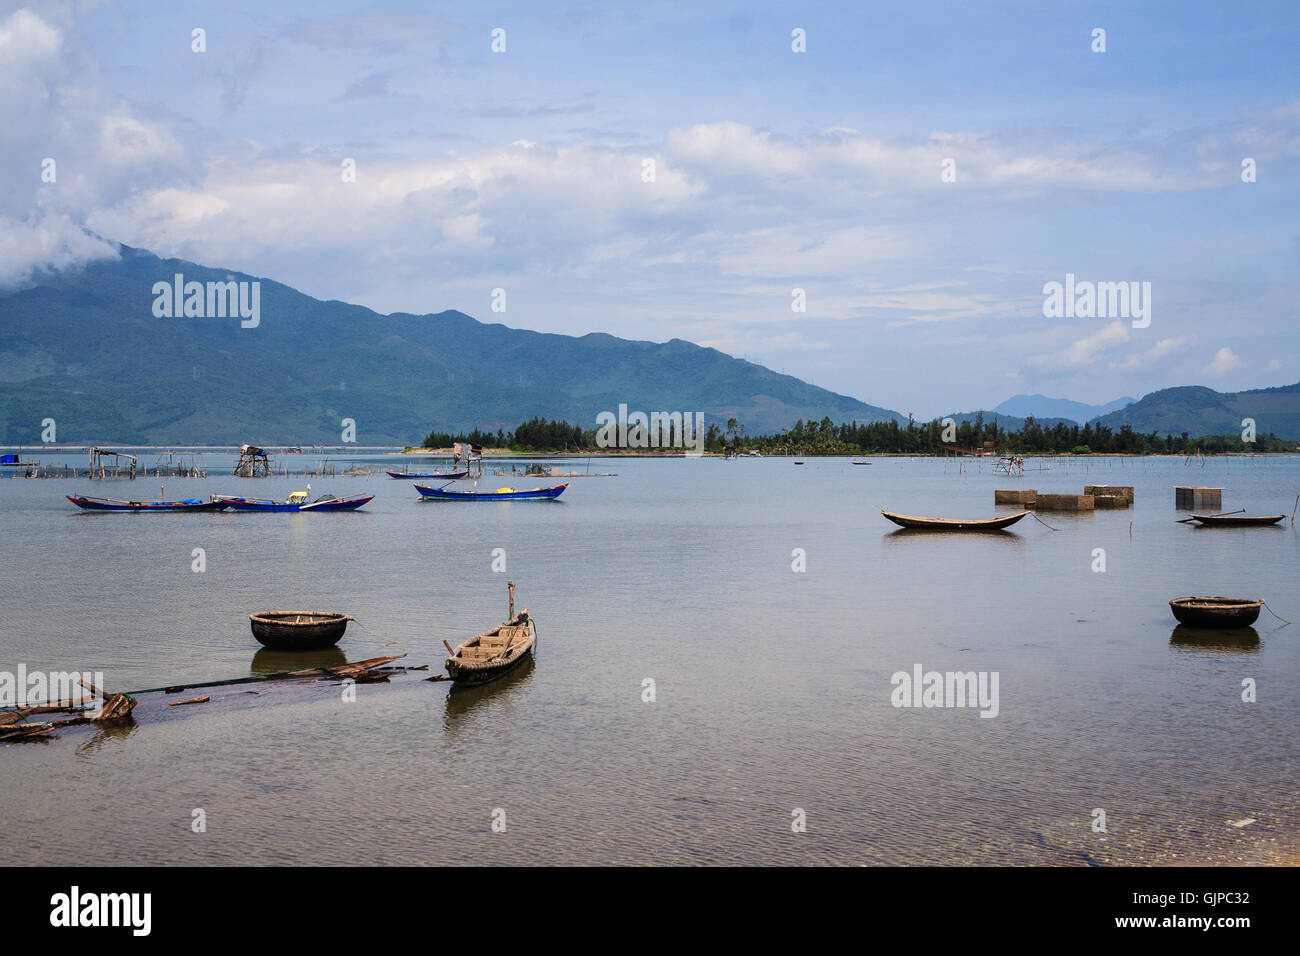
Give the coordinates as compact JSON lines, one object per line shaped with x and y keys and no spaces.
{"x":952,"y":524}
{"x":110,"y":504}
{"x":442,"y":494}
{"x":279,"y":631}
{"x":261,"y":504}
{"x":1215,"y":612}
{"x":465,"y":677}
{"x":1236,"y":521}
{"x":431,"y":475}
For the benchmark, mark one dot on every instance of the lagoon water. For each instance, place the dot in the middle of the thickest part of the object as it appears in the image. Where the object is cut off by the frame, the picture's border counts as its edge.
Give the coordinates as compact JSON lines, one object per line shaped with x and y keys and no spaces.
{"x":772,"y":687}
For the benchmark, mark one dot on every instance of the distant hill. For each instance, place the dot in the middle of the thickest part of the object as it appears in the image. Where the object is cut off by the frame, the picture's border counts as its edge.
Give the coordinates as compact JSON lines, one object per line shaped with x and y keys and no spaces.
{"x":1203,"y":411}
{"x":1009,"y":423}
{"x":85,"y":349}
{"x":1042,"y":407}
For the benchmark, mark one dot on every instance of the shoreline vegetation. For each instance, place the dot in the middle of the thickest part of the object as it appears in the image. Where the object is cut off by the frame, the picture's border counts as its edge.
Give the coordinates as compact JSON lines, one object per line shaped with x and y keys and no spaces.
{"x":887,"y":438}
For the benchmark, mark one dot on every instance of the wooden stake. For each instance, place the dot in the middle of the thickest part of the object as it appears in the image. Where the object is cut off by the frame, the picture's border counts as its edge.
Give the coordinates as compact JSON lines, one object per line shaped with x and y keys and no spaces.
{"x":511,"y":586}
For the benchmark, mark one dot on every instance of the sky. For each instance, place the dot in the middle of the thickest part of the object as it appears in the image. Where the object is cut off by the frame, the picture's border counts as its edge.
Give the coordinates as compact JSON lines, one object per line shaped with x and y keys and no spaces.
{"x":920,"y":171}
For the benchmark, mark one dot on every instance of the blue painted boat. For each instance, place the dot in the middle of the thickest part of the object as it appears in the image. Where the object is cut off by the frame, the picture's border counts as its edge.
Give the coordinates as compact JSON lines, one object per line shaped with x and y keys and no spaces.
{"x":501,"y":494}
{"x":447,"y":476}
{"x":295,"y":502}
{"x":114,"y":504}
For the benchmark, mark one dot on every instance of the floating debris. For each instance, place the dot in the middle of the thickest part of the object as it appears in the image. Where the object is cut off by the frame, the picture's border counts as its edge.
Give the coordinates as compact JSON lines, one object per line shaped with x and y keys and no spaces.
{"x":117,"y":709}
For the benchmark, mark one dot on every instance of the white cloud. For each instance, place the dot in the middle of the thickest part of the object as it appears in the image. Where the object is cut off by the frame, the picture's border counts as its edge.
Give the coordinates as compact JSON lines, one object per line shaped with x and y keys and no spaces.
{"x":859,"y":162}
{"x":1224,"y":361}
{"x":29,"y":51}
{"x":1162,"y":349}
{"x":67,"y":149}
{"x":51,"y":242}
{"x":1087,"y":350}
{"x":797,"y":252}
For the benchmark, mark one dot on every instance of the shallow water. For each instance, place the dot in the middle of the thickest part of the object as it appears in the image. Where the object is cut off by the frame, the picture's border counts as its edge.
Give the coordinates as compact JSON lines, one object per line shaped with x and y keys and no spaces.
{"x":772,"y":687}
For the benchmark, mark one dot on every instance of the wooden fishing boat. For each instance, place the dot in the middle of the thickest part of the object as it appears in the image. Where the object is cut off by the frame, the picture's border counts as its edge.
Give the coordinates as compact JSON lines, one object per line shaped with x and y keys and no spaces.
{"x":1218,"y":612}
{"x":298,"y":630}
{"x":953,"y":524}
{"x":295,"y":502}
{"x":493,"y":653}
{"x":1236,"y":521}
{"x":501,"y":494}
{"x":448,"y":476}
{"x":113,"y":504}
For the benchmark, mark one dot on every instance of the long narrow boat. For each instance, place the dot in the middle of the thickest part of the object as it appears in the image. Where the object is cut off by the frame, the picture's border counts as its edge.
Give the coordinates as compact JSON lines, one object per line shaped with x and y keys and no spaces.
{"x":295,"y":502}
{"x":501,"y":494}
{"x":493,"y":653}
{"x":953,"y":524}
{"x":1215,"y":611}
{"x":1234,"y":521}
{"x":114,"y":504}
{"x":448,"y":476}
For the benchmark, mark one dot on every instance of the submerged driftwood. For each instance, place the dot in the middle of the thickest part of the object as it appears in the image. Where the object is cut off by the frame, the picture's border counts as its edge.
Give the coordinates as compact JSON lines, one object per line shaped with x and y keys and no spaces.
{"x":117,"y":708}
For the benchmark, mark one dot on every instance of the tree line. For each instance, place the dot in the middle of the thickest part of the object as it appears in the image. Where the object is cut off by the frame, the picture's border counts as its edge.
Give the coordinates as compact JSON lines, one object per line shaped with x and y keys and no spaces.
{"x":536,"y":434}
{"x":1032,"y":438}
{"x":886,"y":437}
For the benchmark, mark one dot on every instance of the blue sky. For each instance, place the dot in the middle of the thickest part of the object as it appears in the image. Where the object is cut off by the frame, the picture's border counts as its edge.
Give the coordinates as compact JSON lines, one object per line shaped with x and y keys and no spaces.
{"x":774,"y":170}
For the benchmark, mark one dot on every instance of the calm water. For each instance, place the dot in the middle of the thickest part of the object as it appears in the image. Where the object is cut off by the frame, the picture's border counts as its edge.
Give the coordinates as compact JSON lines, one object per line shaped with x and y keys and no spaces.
{"x":773,"y":687}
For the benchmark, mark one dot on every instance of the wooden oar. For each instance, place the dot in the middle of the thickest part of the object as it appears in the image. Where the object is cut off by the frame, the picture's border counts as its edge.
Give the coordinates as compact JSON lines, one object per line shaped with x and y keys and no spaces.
{"x":506,"y":653}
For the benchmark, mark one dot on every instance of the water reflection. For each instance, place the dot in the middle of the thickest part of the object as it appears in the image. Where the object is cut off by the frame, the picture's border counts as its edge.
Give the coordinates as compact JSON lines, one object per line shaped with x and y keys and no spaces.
{"x":267,"y":661}
{"x":997,"y":534}
{"x":107,"y":733}
{"x":464,"y":699}
{"x":1212,"y":639}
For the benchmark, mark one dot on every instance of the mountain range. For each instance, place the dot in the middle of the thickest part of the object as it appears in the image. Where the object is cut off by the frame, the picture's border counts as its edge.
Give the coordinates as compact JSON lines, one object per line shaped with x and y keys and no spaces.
{"x":86,"y":349}
{"x":89,"y":349}
{"x":1194,"y":409}
{"x":1042,"y":407}
{"x":1203,"y":411}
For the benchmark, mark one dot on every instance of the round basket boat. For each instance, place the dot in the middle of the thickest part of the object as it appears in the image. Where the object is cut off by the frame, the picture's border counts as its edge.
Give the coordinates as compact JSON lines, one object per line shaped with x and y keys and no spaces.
{"x":298,"y":630}
{"x":1217,"y":612}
